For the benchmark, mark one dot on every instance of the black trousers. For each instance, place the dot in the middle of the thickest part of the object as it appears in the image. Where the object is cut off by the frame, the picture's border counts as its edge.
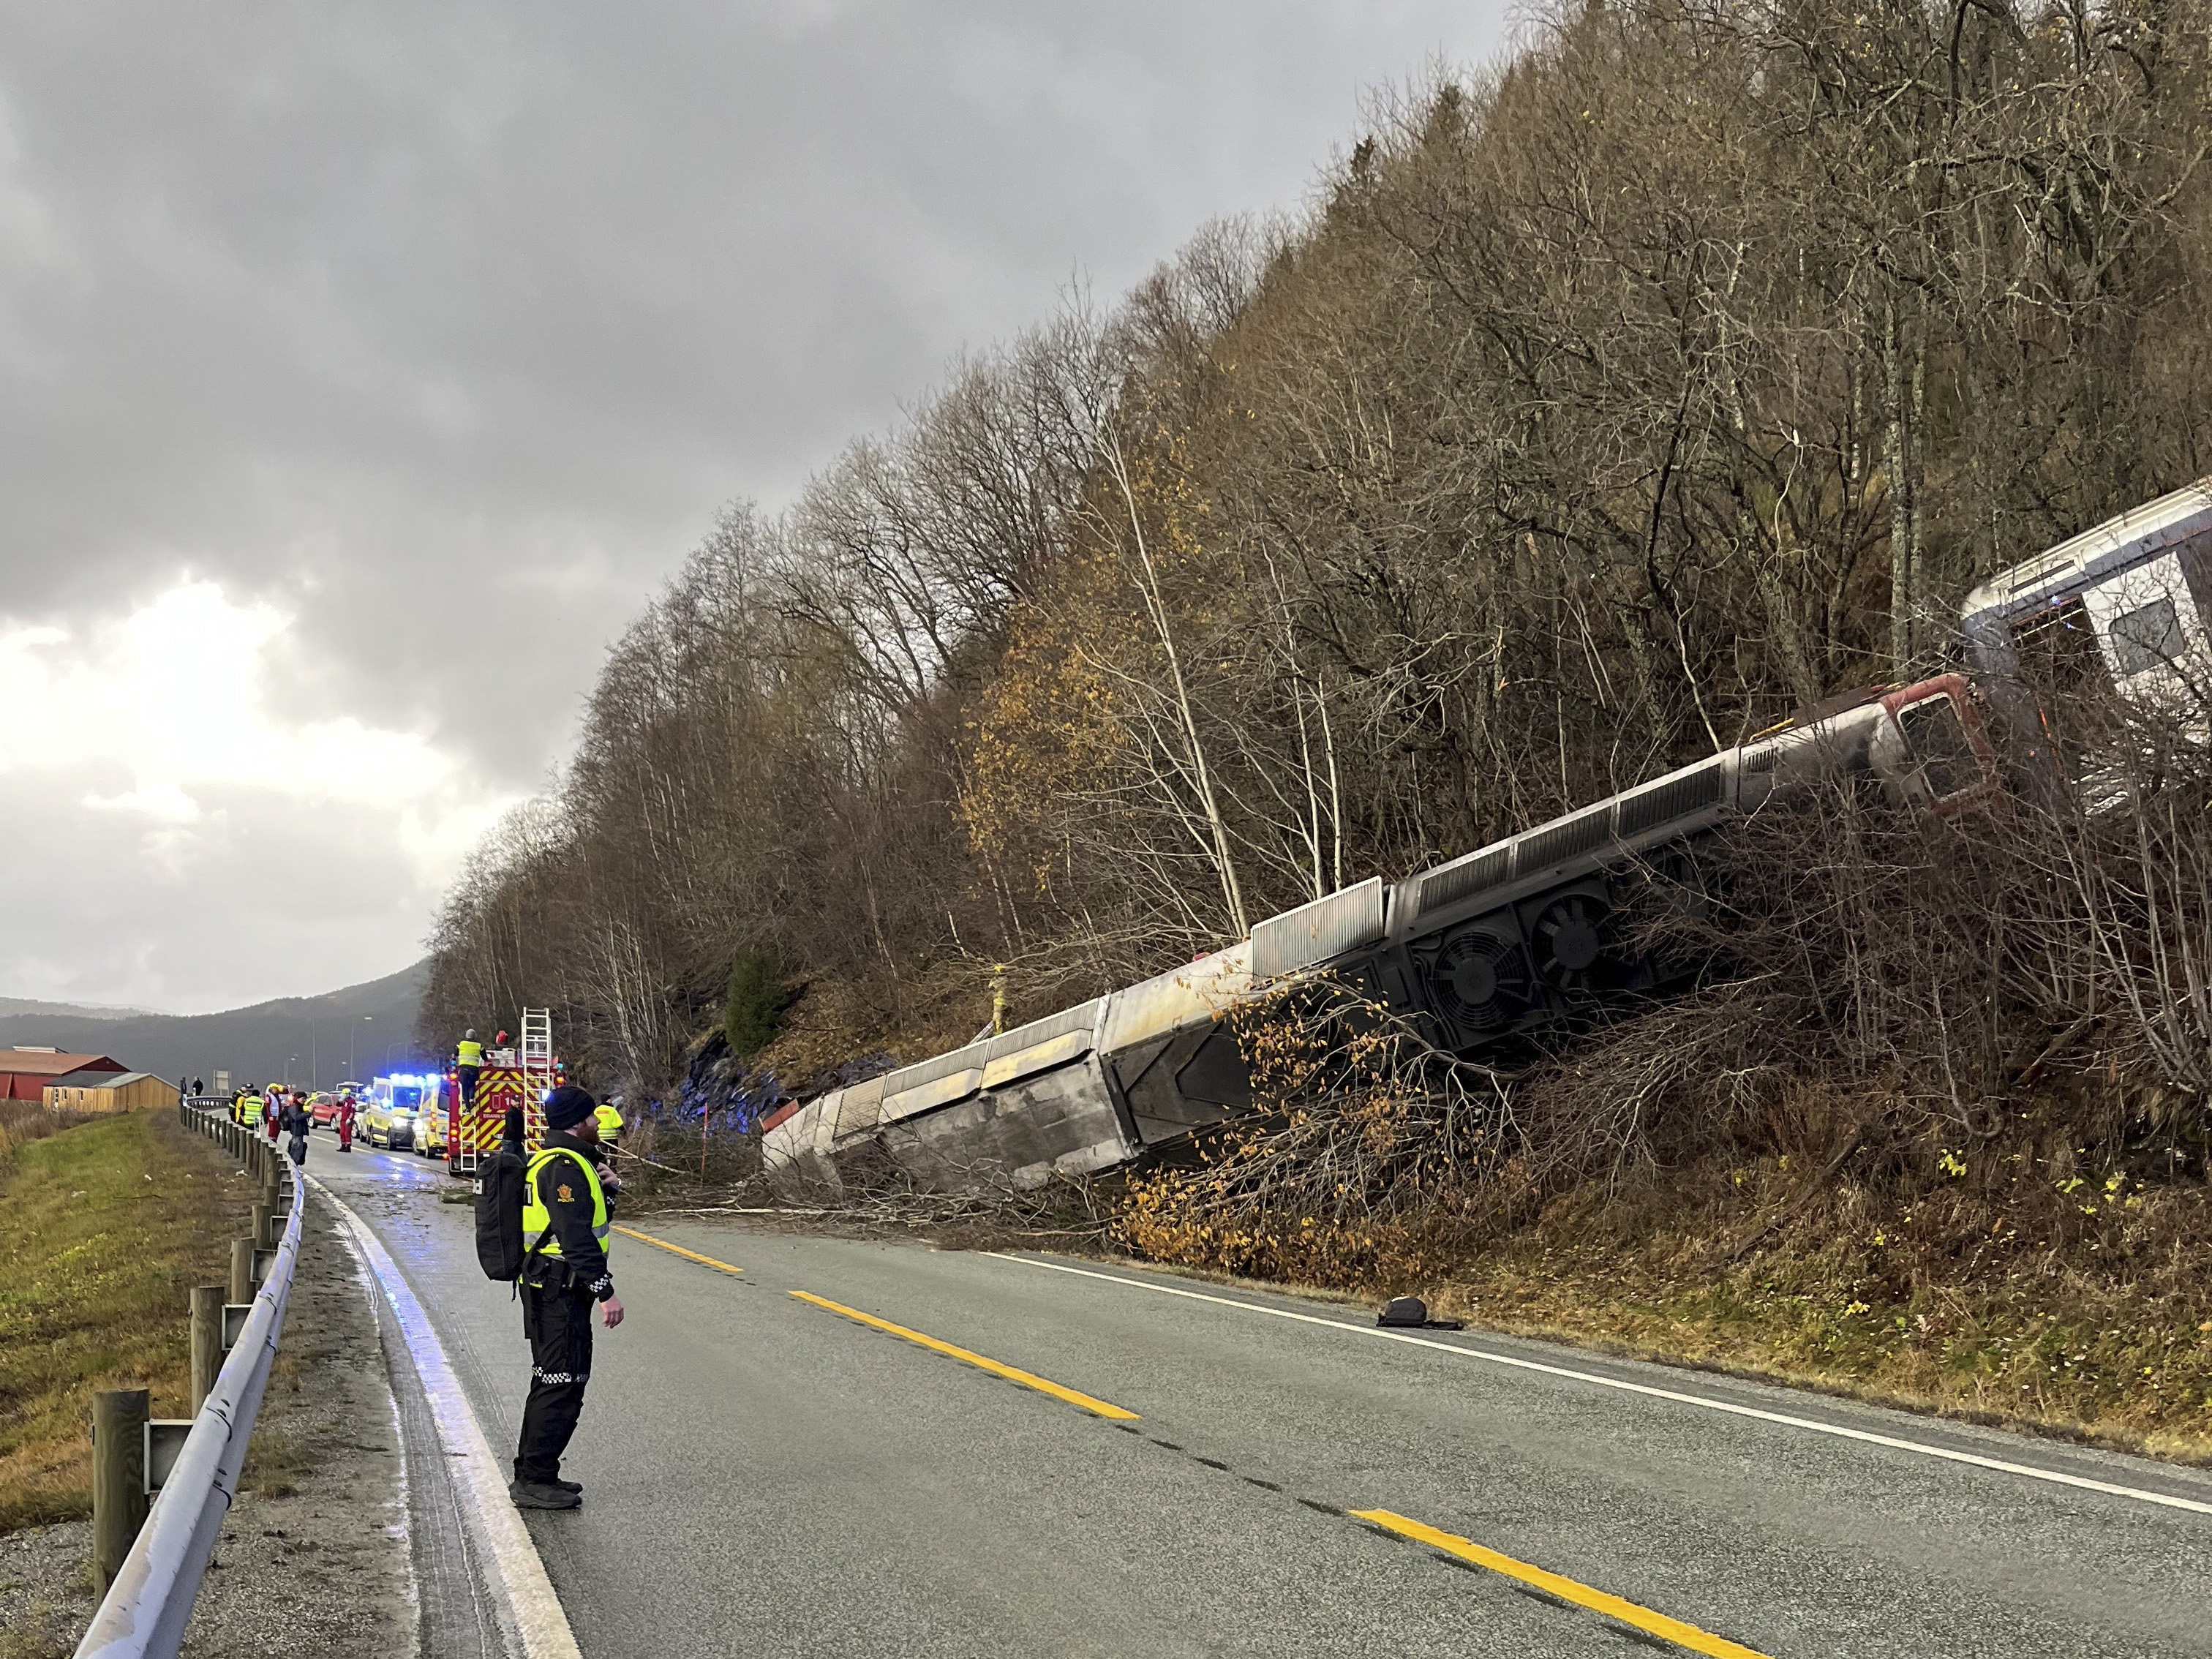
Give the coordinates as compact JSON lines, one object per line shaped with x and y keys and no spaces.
{"x":558,"y":1323}
{"x":468,"y":1074}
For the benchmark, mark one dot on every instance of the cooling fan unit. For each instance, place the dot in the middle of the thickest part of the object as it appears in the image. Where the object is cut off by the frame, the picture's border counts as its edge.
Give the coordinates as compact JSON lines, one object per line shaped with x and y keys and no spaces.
{"x":1570,"y":939}
{"x":1480,"y":981}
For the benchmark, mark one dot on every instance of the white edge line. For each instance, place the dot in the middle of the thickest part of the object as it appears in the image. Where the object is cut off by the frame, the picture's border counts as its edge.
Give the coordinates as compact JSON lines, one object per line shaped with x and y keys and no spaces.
{"x":1704,"y":1401}
{"x":532,"y":1610}
{"x":403,"y":1527}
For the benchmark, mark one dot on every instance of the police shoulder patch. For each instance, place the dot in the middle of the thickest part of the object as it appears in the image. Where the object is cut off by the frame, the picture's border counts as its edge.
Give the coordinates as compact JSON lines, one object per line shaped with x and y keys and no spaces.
{"x":567,"y":1197}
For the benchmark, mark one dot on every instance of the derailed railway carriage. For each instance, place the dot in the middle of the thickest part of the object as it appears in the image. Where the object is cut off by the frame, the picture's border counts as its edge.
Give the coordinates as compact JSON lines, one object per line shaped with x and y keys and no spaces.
{"x":1516,"y":935}
{"x":2125,"y":608}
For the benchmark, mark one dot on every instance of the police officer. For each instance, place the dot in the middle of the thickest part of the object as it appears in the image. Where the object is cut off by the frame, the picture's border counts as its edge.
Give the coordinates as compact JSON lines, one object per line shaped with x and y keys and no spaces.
{"x":468,"y":1062}
{"x":564,"y":1234}
{"x":295,"y":1123}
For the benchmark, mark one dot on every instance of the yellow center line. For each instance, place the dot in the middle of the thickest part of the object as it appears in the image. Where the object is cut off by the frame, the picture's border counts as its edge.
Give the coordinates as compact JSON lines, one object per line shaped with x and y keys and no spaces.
{"x":647,"y":1238}
{"x":997,"y":1368}
{"x":1658,"y":1623}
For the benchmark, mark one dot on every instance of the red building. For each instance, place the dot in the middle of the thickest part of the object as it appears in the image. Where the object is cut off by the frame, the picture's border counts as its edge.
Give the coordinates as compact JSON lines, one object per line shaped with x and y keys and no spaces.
{"x":25,"y":1073}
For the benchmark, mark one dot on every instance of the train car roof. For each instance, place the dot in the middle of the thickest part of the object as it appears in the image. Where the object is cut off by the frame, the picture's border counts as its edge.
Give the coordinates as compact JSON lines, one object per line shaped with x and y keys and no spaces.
{"x":2120,"y":541}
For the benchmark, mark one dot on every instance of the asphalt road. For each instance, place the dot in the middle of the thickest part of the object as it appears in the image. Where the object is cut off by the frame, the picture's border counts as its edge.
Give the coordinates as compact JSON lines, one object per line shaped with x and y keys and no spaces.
{"x":769,"y":1474}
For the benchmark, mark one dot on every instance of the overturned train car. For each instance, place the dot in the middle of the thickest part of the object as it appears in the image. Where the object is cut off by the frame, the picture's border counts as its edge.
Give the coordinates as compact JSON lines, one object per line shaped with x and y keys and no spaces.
{"x":1516,"y":935}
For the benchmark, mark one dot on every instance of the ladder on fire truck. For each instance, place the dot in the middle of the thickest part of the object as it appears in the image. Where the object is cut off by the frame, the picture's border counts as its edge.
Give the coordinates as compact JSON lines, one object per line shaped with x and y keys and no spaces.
{"x":536,"y":1056}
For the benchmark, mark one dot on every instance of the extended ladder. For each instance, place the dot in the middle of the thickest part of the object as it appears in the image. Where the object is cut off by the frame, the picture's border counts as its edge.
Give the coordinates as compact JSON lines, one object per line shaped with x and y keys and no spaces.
{"x":537,"y":1052}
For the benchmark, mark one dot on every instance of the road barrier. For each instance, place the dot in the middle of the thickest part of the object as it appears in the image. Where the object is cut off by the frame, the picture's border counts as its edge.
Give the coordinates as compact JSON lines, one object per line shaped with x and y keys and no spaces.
{"x":151,"y":1590}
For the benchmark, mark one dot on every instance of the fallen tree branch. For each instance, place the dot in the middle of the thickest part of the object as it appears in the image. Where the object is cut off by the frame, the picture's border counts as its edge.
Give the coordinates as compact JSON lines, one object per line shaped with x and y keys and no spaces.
{"x":1790,"y":1211}
{"x":2064,"y":1040}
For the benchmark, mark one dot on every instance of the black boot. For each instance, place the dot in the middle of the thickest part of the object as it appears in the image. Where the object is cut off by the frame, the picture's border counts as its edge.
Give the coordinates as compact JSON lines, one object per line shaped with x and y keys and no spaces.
{"x":538,"y":1495}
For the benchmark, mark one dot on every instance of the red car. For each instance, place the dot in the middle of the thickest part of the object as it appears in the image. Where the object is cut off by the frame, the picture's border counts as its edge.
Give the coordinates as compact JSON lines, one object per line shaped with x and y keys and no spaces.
{"x":323,"y":1110}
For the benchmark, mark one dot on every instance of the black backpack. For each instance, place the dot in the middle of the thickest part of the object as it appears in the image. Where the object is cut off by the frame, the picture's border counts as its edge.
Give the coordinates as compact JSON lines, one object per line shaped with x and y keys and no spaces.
{"x":500,"y":1186}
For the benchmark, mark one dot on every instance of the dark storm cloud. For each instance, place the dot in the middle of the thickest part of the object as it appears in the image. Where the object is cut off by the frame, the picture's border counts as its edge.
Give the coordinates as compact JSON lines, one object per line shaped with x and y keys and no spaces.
{"x":446,"y":328}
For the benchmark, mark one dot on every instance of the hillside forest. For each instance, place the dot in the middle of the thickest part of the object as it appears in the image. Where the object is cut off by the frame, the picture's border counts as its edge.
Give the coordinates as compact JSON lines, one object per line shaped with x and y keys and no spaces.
{"x":1604,"y":404}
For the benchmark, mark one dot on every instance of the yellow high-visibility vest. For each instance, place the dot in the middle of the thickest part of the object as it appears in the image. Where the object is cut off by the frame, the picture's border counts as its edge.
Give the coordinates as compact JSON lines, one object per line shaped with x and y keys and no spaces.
{"x":610,"y":1124}
{"x":250,"y":1110}
{"x":538,"y":1232}
{"x":471,"y":1053}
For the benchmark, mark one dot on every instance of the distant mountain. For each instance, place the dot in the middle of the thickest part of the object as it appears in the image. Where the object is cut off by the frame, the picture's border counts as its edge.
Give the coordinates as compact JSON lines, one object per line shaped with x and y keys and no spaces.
{"x":351,"y":1033}
{"x":68,"y":1010}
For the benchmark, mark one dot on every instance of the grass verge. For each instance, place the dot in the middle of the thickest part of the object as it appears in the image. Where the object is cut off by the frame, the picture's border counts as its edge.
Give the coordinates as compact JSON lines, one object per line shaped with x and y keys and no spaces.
{"x":110,"y":1223}
{"x":2083,"y":1314}
{"x":2002,"y":1288}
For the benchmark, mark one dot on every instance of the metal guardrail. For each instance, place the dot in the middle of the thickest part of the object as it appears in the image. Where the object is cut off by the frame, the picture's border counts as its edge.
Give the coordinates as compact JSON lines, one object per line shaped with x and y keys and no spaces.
{"x":151,"y":1602}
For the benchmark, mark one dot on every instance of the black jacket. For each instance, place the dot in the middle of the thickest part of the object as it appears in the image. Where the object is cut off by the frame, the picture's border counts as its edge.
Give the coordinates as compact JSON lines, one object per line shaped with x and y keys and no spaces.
{"x":581,"y":1255}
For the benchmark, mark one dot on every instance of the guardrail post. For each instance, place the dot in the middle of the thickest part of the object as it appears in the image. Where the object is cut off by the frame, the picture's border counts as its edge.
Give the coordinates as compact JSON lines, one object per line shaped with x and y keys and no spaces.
{"x":263,"y":1217}
{"x":119,"y":1479}
{"x":194,"y":1461}
{"x":207,"y":1342}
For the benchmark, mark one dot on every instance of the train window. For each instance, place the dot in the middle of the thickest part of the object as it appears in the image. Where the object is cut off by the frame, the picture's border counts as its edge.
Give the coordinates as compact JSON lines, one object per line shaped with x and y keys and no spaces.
{"x":2150,"y":637}
{"x":2057,"y":649}
{"x":1939,"y":743}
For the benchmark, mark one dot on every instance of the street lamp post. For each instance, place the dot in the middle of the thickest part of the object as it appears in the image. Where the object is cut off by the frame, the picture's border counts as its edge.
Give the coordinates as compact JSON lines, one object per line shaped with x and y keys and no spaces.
{"x":351,"y":1064}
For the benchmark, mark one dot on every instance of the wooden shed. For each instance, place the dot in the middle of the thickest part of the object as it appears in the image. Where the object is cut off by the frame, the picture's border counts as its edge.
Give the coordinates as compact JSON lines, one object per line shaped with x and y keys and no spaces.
{"x":110,"y":1092}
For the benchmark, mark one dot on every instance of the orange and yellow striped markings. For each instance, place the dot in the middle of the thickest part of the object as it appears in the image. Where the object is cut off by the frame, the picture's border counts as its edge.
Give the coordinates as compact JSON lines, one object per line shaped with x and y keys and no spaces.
{"x":997,"y":1368}
{"x":1567,"y":1589}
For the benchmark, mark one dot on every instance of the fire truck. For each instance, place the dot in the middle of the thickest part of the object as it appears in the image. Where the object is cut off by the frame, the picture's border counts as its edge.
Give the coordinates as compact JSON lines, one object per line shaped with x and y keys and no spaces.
{"x":521,"y":1076}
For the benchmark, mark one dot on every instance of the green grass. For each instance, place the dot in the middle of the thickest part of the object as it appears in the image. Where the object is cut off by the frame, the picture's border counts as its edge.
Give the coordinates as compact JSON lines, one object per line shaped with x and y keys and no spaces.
{"x":109,"y":1224}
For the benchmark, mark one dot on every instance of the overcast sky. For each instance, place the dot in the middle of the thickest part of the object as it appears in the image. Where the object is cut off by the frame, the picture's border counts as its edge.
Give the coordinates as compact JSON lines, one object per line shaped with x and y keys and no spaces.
{"x":363,"y":368}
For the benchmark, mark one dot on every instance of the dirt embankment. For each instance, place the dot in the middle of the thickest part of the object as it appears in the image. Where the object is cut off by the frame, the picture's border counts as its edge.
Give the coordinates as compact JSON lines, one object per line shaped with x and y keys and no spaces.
{"x":2010,"y":1280}
{"x":2050,"y":1301}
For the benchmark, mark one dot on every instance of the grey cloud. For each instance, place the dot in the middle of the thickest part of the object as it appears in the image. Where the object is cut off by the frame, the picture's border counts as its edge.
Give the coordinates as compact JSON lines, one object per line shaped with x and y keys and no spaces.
{"x":278,"y":898}
{"x":404,"y":314}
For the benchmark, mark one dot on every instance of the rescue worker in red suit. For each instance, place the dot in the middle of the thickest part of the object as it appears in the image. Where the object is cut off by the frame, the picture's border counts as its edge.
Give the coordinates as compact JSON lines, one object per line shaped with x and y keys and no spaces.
{"x":345,"y":1124}
{"x":272,"y":1112}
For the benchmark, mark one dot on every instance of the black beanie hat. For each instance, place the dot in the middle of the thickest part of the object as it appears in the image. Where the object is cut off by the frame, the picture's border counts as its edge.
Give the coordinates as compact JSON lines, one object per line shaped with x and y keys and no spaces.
{"x":567,"y":1106}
